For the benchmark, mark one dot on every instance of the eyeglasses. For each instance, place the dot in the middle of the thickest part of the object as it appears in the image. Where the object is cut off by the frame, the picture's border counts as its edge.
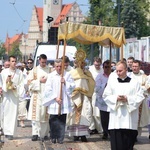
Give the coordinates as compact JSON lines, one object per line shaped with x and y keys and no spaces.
{"x":29,"y":62}
{"x":107,"y":67}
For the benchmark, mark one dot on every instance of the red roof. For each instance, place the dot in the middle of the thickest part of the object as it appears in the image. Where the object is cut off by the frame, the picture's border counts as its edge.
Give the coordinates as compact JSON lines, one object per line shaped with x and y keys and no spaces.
{"x":65,"y":9}
{"x":9,"y":41}
{"x":40,"y":17}
{"x":64,"y":12}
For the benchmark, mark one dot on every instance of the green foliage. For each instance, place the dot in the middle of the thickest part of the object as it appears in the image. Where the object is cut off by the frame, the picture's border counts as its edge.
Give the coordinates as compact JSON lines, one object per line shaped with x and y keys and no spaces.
{"x":100,"y":11}
{"x":2,"y":51}
{"x":134,"y":18}
{"x":133,"y":15}
{"x":16,"y":51}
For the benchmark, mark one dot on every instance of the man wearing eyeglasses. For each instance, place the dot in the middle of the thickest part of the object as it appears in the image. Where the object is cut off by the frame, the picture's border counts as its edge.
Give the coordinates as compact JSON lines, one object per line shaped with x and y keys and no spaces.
{"x":29,"y":64}
{"x":101,"y":82}
{"x":37,"y":113}
{"x":28,"y":69}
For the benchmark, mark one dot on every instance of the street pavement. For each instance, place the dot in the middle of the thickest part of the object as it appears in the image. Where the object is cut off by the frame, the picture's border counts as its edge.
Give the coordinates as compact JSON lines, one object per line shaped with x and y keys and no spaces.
{"x":23,"y":142}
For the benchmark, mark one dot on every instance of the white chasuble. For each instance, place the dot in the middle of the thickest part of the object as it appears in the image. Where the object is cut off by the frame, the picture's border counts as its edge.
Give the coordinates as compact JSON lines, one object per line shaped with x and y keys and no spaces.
{"x":11,"y":99}
{"x":37,"y":112}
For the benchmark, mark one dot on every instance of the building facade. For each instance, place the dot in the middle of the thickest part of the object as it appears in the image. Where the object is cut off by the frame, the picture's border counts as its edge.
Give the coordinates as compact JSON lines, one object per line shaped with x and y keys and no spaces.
{"x":39,"y":27}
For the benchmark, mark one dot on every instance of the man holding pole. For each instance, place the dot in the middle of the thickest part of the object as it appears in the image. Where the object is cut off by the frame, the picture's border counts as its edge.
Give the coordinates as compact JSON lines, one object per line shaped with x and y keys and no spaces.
{"x":58,"y":90}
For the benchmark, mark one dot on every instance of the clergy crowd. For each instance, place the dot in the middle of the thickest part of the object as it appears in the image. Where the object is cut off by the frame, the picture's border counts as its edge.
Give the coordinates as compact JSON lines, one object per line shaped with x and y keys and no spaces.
{"x":108,"y":98}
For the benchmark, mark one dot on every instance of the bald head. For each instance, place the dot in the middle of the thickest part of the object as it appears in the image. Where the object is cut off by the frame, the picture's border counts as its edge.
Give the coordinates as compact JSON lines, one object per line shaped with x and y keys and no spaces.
{"x":121,"y":69}
{"x":6,"y":64}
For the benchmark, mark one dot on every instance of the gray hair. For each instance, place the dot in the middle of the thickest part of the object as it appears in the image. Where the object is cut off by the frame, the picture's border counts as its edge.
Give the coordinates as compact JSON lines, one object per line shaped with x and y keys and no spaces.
{"x":56,"y":61}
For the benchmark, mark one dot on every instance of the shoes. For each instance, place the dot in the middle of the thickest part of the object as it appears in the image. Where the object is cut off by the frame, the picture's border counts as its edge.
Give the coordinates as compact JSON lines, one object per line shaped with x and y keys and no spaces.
{"x":105,"y":137}
{"x":83,"y":139}
{"x":1,"y":131}
{"x":76,"y":138}
{"x":34,"y":137}
{"x":1,"y":142}
{"x":9,"y":137}
{"x":94,"y":131}
{"x":53,"y":141}
{"x":60,"y":141}
{"x":45,"y":138}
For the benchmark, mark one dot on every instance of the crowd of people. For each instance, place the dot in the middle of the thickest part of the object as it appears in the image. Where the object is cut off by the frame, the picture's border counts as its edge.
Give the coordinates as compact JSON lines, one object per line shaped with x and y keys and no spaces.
{"x":109,"y":98}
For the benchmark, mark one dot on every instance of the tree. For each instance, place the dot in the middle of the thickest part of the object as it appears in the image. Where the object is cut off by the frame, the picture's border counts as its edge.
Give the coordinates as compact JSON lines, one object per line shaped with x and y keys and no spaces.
{"x":16,"y":51}
{"x":102,"y":11}
{"x":134,"y":18}
{"x":2,"y":51}
{"x":145,"y":23}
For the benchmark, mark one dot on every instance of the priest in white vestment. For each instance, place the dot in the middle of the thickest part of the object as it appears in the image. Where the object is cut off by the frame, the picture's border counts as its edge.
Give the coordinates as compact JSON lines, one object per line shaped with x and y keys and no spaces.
{"x":37,"y":112}
{"x":123,"y":95}
{"x":81,"y":117}
{"x":148,"y":102}
{"x":13,"y":88}
{"x":142,"y":78}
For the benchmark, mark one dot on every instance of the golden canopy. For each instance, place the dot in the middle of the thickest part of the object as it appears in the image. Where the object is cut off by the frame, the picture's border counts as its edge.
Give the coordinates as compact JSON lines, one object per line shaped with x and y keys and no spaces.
{"x":88,"y":34}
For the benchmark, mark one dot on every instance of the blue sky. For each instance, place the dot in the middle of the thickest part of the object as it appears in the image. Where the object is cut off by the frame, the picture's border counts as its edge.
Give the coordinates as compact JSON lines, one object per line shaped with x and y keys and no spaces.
{"x":16,"y":14}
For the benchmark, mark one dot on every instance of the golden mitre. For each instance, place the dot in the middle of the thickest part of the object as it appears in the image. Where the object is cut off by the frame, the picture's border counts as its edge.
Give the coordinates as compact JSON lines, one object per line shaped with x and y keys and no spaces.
{"x":80,"y":57}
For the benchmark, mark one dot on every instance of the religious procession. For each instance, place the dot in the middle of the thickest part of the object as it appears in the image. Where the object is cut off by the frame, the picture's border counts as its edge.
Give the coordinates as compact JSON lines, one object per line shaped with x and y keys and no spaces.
{"x":110,"y":99}
{"x":105,"y":98}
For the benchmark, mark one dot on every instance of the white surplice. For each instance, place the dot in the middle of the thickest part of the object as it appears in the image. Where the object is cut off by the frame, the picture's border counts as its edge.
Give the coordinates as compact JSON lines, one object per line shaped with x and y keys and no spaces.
{"x":11,"y":99}
{"x":52,"y":91}
{"x":123,"y":115}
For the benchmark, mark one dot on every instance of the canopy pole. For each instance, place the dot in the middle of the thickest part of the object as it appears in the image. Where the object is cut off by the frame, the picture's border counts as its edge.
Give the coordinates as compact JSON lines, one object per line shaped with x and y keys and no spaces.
{"x":62,"y":74}
{"x":57,"y":49}
{"x":121,"y":52}
{"x":101,"y":52}
{"x":110,"y":51}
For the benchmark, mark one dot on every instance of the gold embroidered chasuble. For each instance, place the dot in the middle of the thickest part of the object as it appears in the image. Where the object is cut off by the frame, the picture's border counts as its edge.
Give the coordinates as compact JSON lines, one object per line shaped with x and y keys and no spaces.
{"x":84,"y":90}
{"x":37,"y":112}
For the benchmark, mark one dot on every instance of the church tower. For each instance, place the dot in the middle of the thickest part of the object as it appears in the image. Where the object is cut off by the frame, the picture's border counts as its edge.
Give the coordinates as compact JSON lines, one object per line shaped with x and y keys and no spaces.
{"x":51,"y":8}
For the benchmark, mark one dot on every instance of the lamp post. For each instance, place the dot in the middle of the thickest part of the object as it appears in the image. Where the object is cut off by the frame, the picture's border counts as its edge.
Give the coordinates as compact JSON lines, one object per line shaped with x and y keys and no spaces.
{"x":118,"y":49}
